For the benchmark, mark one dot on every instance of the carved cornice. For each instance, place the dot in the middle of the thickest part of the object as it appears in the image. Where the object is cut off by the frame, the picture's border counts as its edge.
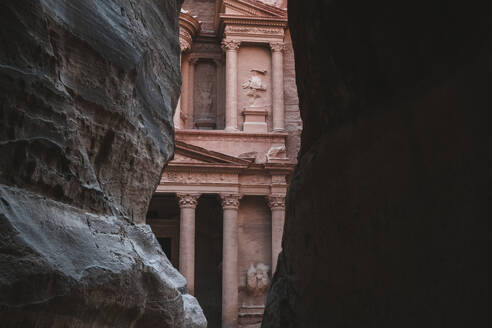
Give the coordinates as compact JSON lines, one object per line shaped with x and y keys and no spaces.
{"x":188,"y":200}
{"x":258,"y":21}
{"x":230,"y":201}
{"x":189,"y":27}
{"x":276,"y":202}
{"x":277,"y":46}
{"x":230,"y":45}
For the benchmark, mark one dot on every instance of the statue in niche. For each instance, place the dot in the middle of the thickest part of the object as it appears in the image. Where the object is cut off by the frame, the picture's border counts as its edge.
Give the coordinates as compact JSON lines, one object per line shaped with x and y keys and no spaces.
{"x":254,"y":85}
{"x":206,"y":100}
{"x":257,"y":281}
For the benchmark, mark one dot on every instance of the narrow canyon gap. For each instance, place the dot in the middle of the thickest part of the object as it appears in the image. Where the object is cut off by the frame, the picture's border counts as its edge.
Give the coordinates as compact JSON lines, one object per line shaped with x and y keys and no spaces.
{"x":87,"y":95}
{"x":388,"y":213}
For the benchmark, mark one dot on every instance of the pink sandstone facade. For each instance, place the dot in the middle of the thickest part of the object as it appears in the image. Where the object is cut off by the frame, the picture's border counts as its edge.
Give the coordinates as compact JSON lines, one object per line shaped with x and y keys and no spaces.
{"x":219,"y":208}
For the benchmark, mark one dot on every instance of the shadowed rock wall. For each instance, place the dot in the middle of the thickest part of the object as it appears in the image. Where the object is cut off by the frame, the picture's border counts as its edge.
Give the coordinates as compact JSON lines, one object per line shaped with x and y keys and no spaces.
{"x":87,"y":91}
{"x":388,"y":214}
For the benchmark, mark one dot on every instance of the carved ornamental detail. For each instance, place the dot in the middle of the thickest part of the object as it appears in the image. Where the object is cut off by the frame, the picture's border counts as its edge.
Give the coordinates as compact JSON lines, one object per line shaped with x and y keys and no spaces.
{"x":228,"y":45}
{"x":257,"y":280}
{"x":187,"y":200}
{"x":254,"y":30}
{"x":184,"y":44}
{"x":276,"y":202}
{"x":254,"y":86}
{"x":230,"y":201}
{"x":189,"y":27}
{"x":277,"y":46}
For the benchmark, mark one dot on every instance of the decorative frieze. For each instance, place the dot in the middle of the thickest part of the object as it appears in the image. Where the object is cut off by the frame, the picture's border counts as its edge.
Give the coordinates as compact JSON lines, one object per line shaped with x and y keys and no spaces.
{"x":198,"y":178}
{"x":230,"y":201}
{"x":254,"y":30}
{"x":278,"y":179}
{"x":276,"y":202}
{"x":188,"y":200}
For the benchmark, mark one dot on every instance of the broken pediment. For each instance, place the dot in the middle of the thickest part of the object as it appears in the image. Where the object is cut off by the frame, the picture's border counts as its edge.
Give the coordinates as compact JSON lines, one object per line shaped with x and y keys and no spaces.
{"x":252,"y":8}
{"x":186,"y":153}
{"x":251,"y":21}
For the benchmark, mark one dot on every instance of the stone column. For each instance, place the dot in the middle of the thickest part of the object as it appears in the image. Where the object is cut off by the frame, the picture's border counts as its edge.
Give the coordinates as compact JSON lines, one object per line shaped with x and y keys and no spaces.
{"x":220,"y":94}
{"x":231,"y":48}
{"x":230,"y":204}
{"x":278,"y":85}
{"x":187,"y":204}
{"x":185,"y":46}
{"x":190,"y":104}
{"x":177,"y":113}
{"x":277,"y":206}
{"x":184,"y":92}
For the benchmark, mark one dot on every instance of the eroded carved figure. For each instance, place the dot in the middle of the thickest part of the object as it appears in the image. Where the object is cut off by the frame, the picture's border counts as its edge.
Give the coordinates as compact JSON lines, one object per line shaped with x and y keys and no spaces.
{"x":257,"y":279}
{"x":254,"y":85}
{"x":276,"y":152}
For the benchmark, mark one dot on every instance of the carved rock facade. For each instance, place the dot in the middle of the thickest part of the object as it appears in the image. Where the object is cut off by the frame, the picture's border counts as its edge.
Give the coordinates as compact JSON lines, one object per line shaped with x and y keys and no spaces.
{"x":237,"y":136}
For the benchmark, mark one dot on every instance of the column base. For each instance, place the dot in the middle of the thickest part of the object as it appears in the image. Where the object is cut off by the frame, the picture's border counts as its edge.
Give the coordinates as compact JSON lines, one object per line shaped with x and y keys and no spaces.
{"x":231,"y":129}
{"x":278,"y":130}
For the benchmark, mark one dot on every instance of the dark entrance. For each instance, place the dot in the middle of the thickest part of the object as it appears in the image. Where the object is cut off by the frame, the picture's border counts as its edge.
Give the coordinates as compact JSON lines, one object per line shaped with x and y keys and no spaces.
{"x":163,"y":218}
{"x":208,"y":258}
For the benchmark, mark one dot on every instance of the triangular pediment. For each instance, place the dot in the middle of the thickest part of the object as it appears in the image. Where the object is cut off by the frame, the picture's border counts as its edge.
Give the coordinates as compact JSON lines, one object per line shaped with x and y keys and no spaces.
{"x":252,"y":8}
{"x":190,"y":154}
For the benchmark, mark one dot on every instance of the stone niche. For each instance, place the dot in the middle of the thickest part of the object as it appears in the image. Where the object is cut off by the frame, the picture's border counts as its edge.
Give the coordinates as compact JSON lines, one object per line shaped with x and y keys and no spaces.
{"x":254,"y":88}
{"x":254,"y":239}
{"x":205,"y":95}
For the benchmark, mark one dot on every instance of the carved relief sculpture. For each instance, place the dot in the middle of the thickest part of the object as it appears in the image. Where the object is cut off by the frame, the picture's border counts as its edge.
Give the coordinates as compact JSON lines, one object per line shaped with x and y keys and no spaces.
{"x":276,"y":152}
{"x":254,"y":86}
{"x":257,"y":281}
{"x":205,"y":95}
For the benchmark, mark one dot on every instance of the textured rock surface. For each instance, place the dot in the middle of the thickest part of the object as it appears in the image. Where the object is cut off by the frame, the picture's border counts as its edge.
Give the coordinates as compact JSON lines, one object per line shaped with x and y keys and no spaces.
{"x":388,"y":216}
{"x":87,"y":91}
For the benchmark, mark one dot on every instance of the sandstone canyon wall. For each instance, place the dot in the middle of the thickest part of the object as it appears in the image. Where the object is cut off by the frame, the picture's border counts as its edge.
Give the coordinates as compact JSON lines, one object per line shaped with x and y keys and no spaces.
{"x":87,"y":92}
{"x":388,"y":215}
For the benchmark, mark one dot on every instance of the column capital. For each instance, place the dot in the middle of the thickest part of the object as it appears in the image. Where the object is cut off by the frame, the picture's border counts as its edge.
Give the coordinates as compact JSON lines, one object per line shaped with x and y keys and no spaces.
{"x":277,"y":46}
{"x":230,"y":201}
{"x":188,"y":200}
{"x":230,"y":45}
{"x":276,"y":202}
{"x":193,"y":60}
